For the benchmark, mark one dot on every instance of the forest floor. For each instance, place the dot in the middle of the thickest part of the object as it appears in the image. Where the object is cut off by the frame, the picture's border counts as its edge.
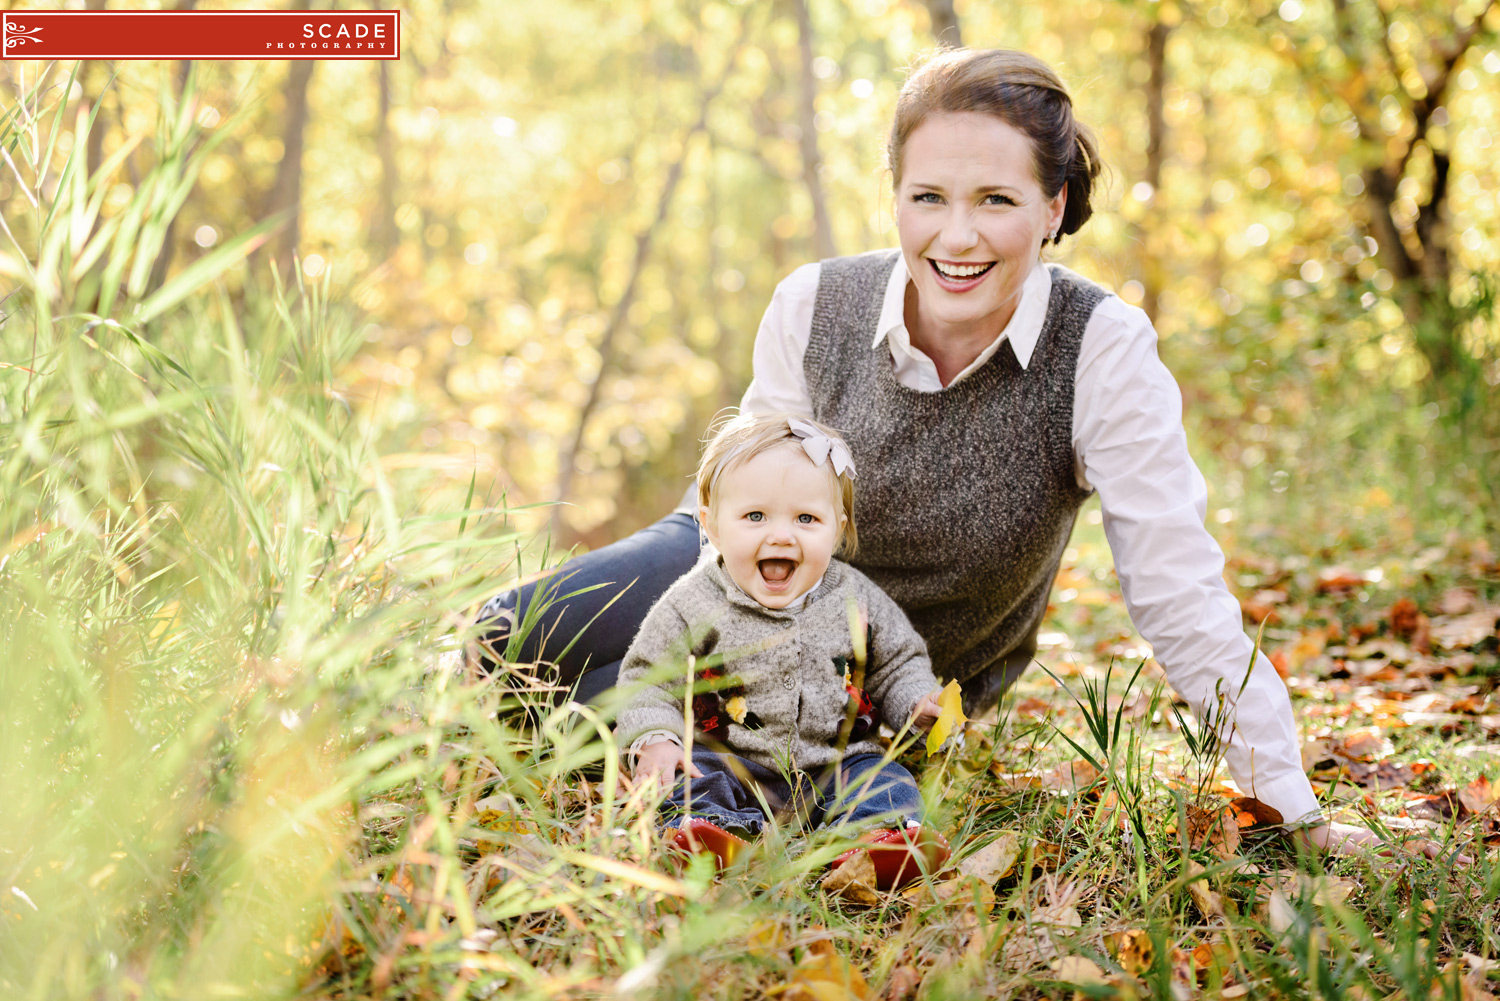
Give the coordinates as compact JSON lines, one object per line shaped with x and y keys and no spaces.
{"x":1093,"y":858}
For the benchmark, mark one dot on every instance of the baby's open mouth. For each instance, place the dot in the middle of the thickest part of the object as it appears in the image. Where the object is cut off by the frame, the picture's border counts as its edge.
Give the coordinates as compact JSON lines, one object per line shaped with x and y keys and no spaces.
{"x":776,"y":571}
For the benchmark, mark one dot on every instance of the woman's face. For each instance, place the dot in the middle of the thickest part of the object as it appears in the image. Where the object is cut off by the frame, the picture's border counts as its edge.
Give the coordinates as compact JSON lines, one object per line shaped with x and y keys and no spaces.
{"x":972,"y":219}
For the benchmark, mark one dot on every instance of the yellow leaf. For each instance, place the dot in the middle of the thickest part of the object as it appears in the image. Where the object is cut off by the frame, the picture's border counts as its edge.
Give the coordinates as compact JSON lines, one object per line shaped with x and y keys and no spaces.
{"x":995,"y":860}
{"x":854,"y":880}
{"x":823,"y":975}
{"x":952,"y":715}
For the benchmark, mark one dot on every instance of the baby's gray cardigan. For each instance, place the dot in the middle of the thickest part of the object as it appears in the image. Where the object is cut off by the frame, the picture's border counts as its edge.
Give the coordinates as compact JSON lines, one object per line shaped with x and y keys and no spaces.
{"x":784,"y":659}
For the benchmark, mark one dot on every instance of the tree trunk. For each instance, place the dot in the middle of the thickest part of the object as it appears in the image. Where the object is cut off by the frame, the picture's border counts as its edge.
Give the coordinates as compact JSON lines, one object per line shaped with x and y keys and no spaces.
{"x":1417,"y":258}
{"x":286,"y":192}
{"x":1156,"y":136}
{"x":945,"y":26}
{"x":807,"y":122}
{"x":385,"y":212}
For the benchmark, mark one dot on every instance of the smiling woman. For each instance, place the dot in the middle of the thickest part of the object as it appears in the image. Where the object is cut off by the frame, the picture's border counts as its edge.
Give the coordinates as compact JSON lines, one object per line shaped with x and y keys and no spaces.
{"x":985,"y":394}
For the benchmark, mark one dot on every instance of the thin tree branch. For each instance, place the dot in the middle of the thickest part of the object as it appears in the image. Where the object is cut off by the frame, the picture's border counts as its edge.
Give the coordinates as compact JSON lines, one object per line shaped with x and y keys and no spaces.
{"x":807,"y":122}
{"x":619,"y":314}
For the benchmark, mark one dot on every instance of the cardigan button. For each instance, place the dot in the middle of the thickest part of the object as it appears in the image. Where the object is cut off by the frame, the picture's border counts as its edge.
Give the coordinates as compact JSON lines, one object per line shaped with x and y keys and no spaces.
{"x":788,"y":683}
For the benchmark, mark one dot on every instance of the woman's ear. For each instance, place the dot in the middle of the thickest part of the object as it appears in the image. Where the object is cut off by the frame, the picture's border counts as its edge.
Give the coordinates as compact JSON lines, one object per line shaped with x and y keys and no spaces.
{"x":1058,"y":209}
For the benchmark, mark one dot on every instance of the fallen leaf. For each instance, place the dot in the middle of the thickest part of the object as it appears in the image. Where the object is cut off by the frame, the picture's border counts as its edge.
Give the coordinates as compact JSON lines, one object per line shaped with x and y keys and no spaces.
{"x":1210,"y":904}
{"x":1250,"y":812}
{"x":1339,"y":579}
{"x":1279,"y":912}
{"x":824,"y":975}
{"x":1460,"y":632}
{"x":854,"y":880}
{"x":1406,"y":619}
{"x":903,"y":984}
{"x":1072,"y":776}
{"x":1457,"y":601}
{"x":966,"y":891}
{"x":1033,"y":708}
{"x":1479,"y":795}
{"x":1215,"y":827}
{"x":995,"y":860}
{"x":1078,"y":970}
{"x":1058,"y":907}
{"x":1363,"y":744}
{"x":952,"y":715}
{"x":1132,"y":950}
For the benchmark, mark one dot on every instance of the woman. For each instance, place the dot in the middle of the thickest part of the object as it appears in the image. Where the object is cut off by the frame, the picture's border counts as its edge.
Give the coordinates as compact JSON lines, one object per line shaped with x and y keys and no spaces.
{"x":985,"y":395}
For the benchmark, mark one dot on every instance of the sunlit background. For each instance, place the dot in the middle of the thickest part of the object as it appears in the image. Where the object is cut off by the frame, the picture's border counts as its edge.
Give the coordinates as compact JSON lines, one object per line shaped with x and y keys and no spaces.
{"x":563,"y":221}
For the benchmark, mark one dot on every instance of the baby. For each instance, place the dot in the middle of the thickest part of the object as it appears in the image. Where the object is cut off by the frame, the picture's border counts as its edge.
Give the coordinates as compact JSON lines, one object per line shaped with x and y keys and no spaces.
{"x":780,"y":715}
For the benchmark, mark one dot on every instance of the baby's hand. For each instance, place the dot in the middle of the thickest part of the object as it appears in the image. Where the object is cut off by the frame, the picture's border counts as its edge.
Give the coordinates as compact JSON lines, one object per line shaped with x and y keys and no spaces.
{"x":927,"y":711}
{"x":661,"y":759}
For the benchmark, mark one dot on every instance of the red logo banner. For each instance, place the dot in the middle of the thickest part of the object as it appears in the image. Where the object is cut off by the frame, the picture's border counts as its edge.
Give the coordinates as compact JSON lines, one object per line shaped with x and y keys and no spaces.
{"x":200,"y":34}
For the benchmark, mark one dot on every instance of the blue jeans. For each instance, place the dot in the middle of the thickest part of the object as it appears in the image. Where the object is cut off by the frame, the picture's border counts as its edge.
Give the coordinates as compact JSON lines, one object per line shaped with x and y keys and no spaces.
{"x":865,"y":790}
{"x":634,"y":572}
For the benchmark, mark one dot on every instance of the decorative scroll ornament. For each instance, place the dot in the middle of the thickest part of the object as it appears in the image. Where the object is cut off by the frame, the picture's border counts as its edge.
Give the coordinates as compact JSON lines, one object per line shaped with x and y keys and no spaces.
{"x":16,"y":34}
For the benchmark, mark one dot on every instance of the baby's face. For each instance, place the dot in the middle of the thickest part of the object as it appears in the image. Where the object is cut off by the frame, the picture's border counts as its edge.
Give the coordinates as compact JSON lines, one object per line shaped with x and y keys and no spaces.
{"x":777,"y":524}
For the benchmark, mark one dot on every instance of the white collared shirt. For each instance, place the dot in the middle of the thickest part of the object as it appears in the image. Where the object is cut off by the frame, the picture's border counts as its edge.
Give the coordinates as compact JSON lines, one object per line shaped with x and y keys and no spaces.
{"x":1130,"y":446}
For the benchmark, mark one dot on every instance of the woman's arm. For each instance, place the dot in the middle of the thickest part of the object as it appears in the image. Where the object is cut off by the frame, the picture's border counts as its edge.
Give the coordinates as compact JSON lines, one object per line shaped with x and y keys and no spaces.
{"x":1130,"y":446}
{"x":780,"y":386}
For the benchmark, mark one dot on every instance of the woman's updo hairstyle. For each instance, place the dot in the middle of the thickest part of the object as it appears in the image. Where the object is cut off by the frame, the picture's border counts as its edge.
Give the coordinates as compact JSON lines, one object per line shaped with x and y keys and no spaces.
{"x":1020,"y":90}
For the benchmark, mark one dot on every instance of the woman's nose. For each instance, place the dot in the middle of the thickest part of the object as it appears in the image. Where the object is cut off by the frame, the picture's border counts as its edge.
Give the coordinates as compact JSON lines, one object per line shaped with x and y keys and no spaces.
{"x":959,"y":234}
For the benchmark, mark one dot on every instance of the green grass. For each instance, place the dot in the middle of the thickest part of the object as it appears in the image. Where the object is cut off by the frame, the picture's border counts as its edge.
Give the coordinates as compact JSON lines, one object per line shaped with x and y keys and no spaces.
{"x":242,"y":755}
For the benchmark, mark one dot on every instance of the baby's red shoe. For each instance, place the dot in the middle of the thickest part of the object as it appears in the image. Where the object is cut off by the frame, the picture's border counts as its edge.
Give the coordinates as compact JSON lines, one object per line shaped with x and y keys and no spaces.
{"x":900,"y":857}
{"x":695,"y":835}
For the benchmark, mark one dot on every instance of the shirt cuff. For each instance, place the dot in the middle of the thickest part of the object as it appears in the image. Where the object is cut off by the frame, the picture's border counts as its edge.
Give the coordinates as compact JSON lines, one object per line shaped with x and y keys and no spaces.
{"x":652,"y":737}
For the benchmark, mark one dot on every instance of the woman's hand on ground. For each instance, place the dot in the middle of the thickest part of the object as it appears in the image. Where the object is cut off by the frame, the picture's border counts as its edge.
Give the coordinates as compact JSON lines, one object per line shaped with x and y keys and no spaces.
{"x":1350,"y":839}
{"x":927,"y":711}
{"x":662,"y":758}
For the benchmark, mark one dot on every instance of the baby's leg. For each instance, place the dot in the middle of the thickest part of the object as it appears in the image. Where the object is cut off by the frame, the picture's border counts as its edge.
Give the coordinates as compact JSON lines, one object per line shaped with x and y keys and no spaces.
{"x":724,"y":794}
{"x":867,"y":791}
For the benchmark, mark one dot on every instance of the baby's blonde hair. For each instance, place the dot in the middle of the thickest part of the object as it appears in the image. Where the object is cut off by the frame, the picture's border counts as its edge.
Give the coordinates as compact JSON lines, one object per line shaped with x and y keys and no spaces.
{"x":739,"y":439}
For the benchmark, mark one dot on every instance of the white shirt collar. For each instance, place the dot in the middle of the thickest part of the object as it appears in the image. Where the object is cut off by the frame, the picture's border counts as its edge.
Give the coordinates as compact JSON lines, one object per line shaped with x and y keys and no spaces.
{"x":1023,"y":330}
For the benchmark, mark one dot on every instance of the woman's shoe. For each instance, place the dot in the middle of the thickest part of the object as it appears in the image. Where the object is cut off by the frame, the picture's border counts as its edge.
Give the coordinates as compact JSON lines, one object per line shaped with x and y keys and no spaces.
{"x":695,"y":835}
{"x":900,"y":857}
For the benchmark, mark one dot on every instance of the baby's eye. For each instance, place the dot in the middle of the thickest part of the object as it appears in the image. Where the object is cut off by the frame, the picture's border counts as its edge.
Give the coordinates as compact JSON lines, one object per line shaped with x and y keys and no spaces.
{"x":806,"y":519}
{"x":755,"y":516}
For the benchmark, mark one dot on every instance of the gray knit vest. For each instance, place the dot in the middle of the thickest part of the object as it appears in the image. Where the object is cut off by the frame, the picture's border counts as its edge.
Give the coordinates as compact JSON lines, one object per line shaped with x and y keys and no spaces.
{"x":966,"y":497}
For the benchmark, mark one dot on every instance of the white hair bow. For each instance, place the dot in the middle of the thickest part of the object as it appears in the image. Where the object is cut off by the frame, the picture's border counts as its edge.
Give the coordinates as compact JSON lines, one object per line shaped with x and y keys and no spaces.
{"x":819,"y":446}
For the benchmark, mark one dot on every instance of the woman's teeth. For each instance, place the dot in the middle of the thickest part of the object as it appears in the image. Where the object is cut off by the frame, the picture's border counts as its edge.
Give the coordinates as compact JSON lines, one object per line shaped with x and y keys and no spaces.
{"x":961,"y":270}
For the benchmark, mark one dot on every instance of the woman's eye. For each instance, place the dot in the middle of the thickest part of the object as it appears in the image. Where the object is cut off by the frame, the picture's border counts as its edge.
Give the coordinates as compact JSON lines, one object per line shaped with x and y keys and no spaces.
{"x":999,"y":200}
{"x":929,"y":197}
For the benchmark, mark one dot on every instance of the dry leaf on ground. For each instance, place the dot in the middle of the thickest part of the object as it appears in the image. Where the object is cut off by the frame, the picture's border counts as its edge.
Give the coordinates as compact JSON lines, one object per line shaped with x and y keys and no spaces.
{"x":1479,"y":795}
{"x":1077,"y":970}
{"x":854,"y":880}
{"x":995,"y":860}
{"x":1217,"y":828}
{"x":1210,"y":904}
{"x":823,"y":975}
{"x":1132,"y":949}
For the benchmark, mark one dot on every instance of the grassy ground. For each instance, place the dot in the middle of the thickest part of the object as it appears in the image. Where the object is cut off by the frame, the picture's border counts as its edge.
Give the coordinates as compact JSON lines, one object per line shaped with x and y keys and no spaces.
{"x":242,"y":755}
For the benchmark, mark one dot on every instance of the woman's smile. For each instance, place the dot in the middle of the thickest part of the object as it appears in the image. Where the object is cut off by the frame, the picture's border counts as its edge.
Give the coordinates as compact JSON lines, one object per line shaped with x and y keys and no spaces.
{"x":960,"y":277}
{"x":972,"y":219}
